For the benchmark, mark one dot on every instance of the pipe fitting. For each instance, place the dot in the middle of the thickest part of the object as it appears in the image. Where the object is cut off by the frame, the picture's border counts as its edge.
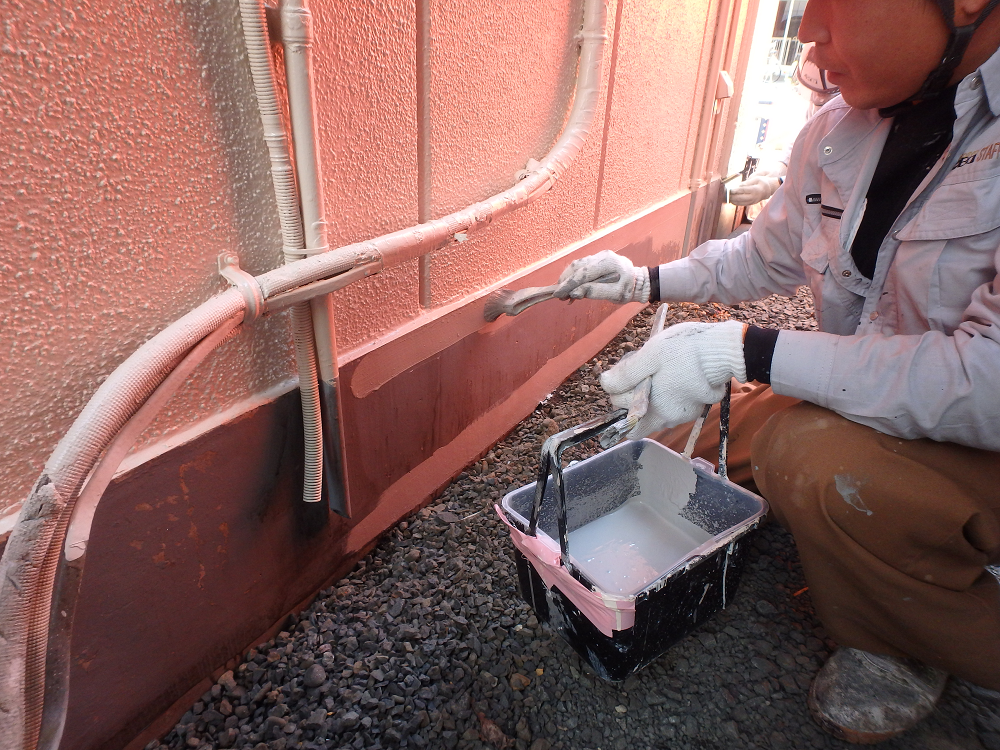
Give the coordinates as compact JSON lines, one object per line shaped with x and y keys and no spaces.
{"x":296,"y":23}
{"x":229,"y":269}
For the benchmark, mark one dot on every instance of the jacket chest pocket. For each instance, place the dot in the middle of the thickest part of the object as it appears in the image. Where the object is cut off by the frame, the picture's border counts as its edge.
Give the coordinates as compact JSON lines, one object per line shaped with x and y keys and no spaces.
{"x":965,"y":264}
{"x":958,"y":208}
{"x":824,"y":240}
{"x":957,"y":233}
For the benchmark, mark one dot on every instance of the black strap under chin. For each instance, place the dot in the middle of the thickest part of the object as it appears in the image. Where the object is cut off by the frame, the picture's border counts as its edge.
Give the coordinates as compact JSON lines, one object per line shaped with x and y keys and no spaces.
{"x":958,"y":43}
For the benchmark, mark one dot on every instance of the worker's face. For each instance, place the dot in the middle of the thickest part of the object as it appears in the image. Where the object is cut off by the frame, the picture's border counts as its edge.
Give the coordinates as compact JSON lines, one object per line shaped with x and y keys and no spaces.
{"x":879,"y":52}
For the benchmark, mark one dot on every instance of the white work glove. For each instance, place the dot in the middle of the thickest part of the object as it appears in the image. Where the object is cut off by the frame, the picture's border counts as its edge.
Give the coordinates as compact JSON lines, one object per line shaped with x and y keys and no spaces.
{"x":759,"y":186}
{"x":690,"y":364}
{"x":625,"y":283}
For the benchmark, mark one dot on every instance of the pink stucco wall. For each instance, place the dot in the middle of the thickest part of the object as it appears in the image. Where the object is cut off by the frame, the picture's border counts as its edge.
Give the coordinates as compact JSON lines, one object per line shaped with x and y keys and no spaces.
{"x":132,"y":156}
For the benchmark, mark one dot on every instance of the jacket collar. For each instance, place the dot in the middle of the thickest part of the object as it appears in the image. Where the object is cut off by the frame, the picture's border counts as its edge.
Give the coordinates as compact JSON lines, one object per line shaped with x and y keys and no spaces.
{"x":989,"y":77}
{"x":848,"y":155}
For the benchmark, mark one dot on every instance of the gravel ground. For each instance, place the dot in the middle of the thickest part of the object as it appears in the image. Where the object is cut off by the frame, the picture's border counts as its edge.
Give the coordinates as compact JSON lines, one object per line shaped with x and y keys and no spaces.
{"x":427,"y":645}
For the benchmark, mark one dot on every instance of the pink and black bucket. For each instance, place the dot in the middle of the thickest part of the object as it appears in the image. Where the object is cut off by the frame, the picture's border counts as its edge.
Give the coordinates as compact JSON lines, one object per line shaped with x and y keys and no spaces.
{"x":658,"y":541}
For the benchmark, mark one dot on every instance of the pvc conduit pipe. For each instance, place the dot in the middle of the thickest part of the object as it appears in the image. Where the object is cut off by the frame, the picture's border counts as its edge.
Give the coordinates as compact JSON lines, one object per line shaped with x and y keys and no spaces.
{"x":297,"y":39}
{"x":254,"y":21}
{"x":45,"y":515}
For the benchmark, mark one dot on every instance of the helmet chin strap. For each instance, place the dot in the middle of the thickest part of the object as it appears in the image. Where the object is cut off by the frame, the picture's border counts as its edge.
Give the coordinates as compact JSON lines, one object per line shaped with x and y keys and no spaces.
{"x":958,"y":42}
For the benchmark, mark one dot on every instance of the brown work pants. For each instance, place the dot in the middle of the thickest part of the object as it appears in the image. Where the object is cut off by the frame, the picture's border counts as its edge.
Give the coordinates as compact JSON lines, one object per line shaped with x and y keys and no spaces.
{"x":893,"y":534}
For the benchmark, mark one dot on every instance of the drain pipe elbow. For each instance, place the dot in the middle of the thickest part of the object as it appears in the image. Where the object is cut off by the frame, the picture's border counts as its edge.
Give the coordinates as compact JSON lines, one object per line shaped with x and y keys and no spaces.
{"x":539,"y":177}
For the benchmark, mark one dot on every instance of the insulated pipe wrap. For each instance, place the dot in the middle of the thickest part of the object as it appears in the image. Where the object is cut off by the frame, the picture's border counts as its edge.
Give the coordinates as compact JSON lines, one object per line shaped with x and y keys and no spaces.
{"x":34,"y":550}
{"x":286,"y":195}
{"x":316,"y":268}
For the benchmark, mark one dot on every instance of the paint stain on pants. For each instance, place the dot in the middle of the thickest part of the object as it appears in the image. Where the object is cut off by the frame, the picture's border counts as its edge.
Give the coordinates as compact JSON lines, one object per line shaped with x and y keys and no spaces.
{"x":848,"y":488}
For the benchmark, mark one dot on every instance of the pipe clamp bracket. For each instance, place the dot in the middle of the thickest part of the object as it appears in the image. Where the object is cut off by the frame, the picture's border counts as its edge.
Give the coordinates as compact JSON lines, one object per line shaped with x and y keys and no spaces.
{"x":229,"y":269}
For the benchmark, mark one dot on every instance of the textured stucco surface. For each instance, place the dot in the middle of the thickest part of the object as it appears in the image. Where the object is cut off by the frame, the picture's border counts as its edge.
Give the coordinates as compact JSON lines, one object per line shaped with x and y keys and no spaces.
{"x":132,"y":156}
{"x":656,"y":104}
{"x":502,"y":79}
{"x":365,"y":76}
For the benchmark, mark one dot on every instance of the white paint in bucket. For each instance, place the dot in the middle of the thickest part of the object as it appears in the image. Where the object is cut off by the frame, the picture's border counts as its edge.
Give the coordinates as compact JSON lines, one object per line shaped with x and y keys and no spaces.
{"x":628,"y":549}
{"x":625,"y":551}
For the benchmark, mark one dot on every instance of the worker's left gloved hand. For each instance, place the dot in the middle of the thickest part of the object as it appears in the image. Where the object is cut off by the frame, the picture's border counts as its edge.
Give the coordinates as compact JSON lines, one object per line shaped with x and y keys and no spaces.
{"x":690,"y":364}
{"x":759,"y":186}
{"x":606,"y":276}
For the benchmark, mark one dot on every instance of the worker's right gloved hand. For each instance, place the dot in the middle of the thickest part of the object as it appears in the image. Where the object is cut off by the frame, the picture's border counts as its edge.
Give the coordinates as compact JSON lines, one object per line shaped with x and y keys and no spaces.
{"x":605,"y":276}
{"x":690,"y":364}
{"x":759,"y":186}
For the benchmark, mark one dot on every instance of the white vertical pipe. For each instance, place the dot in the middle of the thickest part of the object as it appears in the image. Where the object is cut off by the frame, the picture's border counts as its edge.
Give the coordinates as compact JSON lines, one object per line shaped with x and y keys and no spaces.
{"x":297,"y":39}
{"x":262,"y":70}
{"x":423,"y":63}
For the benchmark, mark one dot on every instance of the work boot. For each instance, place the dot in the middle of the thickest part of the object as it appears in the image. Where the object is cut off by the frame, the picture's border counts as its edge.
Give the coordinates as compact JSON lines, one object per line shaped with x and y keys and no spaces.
{"x":866,"y":698}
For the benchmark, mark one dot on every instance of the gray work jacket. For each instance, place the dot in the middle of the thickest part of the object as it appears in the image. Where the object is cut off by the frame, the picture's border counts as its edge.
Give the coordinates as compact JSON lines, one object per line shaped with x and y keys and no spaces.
{"x":915,"y":351}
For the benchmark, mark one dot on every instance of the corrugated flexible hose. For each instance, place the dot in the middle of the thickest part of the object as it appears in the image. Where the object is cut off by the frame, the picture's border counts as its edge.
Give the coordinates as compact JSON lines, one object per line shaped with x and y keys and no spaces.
{"x":254,"y":22}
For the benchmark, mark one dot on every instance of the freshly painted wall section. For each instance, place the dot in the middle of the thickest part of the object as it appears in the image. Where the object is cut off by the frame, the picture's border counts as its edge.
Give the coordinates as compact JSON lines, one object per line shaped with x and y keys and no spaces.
{"x":133,"y":157}
{"x":199,"y":551}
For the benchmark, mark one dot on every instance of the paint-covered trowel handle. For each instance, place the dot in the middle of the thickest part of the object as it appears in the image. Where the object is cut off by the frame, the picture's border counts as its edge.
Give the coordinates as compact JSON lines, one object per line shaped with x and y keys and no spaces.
{"x":506,"y":302}
{"x":723,"y":431}
{"x":640,"y":396}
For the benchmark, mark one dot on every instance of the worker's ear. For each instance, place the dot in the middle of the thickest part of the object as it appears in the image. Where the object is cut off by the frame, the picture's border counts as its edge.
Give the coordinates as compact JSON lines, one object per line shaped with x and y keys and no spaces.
{"x":967,"y":11}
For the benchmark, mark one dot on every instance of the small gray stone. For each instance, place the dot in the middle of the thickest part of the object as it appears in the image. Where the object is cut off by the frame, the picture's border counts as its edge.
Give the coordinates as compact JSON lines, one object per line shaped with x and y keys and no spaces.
{"x":765,"y":608}
{"x":314,"y":677}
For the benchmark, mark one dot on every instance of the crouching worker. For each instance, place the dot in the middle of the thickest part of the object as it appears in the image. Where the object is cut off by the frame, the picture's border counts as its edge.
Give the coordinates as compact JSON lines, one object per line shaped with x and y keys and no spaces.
{"x":875,"y":438}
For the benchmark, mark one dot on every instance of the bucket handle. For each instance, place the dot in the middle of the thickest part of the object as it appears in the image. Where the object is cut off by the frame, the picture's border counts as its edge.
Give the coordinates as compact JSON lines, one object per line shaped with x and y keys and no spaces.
{"x":556,"y":445}
{"x":551,"y":461}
